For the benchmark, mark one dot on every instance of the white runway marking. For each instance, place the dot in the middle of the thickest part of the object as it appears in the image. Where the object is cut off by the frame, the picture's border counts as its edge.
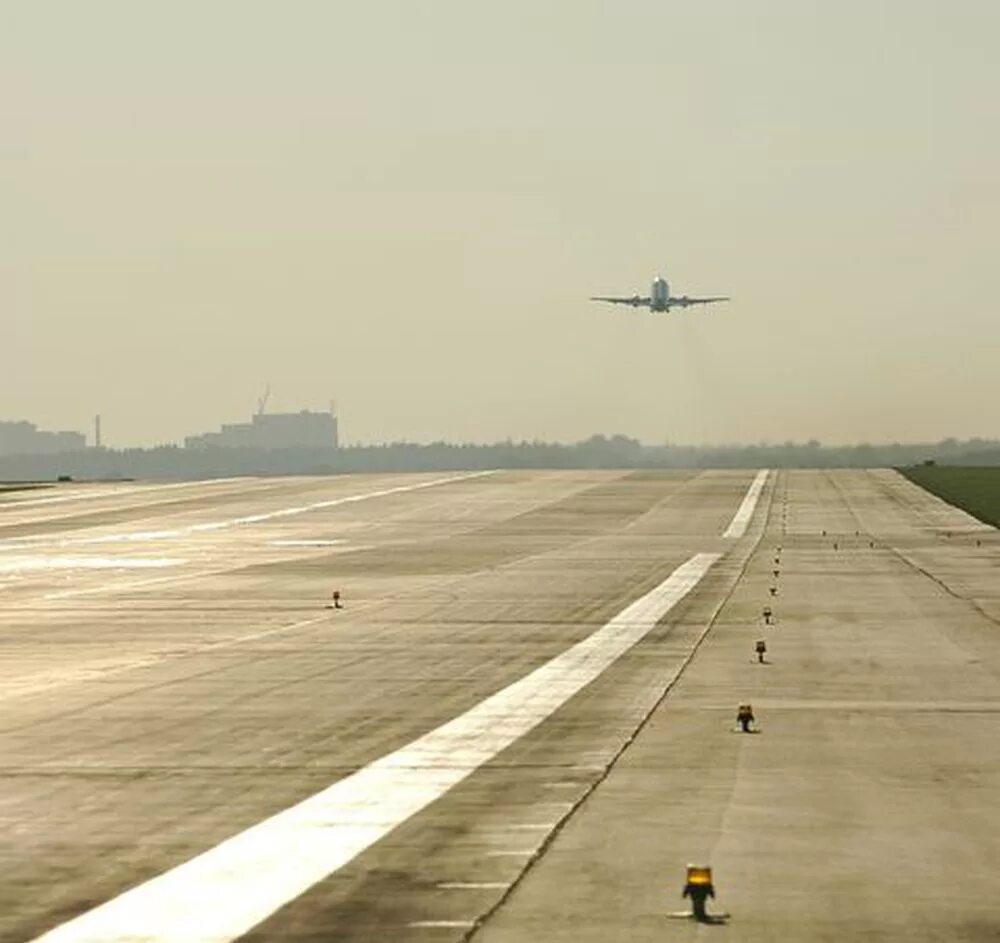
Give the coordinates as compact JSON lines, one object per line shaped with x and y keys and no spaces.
{"x":14,"y":505}
{"x":738,"y":525}
{"x":42,"y":563}
{"x":443,"y":924}
{"x":474,"y":885}
{"x":160,"y":581}
{"x":231,"y":888}
{"x":141,"y":536}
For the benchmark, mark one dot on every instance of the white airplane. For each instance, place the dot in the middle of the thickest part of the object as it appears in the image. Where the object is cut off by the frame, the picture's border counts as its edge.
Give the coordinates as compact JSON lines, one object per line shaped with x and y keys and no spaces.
{"x":660,"y":298}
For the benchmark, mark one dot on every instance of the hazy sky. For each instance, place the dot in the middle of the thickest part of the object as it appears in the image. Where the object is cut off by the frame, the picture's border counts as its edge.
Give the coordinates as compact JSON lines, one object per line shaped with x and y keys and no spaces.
{"x":404,"y":206}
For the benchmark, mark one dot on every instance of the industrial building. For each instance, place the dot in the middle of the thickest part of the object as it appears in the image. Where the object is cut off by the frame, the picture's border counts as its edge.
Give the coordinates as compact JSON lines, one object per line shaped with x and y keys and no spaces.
{"x":302,"y":430}
{"x":25,"y":438}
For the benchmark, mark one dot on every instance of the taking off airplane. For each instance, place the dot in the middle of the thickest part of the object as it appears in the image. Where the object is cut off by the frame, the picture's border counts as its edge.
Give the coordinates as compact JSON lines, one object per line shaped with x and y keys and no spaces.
{"x":660,"y":298}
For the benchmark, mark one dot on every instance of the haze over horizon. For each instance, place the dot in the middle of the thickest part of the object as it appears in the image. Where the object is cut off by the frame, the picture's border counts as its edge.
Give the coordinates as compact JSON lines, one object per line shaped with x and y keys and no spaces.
{"x":405,"y":208}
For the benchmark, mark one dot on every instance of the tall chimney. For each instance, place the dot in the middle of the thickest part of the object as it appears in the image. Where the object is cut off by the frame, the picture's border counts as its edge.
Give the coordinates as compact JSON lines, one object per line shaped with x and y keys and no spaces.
{"x":97,"y":431}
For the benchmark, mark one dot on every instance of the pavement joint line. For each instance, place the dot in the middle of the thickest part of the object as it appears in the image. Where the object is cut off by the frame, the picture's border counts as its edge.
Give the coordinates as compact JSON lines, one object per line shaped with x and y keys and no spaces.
{"x":907,"y":559}
{"x":232,"y":887}
{"x":513,"y":853}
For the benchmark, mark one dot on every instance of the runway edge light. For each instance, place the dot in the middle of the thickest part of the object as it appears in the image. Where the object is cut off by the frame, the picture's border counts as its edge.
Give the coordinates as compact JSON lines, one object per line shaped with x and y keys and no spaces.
{"x":698,"y":887}
{"x":698,"y":875}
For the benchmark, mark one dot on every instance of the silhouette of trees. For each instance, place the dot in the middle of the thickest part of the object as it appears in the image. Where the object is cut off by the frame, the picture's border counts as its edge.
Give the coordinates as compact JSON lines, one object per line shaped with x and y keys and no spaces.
{"x":598,"y":451}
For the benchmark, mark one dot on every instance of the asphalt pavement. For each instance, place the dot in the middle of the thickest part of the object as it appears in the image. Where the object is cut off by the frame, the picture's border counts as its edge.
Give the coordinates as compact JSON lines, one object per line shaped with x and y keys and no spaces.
{"x":174,"y":686}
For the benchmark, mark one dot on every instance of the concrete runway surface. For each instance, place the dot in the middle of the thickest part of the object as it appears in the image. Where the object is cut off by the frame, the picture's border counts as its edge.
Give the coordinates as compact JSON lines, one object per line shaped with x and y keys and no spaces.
{"x":520,"y":725}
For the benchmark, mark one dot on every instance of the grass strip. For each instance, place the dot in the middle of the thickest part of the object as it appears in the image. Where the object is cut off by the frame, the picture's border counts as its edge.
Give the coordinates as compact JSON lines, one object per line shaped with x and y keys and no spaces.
{"x":974,"y":489}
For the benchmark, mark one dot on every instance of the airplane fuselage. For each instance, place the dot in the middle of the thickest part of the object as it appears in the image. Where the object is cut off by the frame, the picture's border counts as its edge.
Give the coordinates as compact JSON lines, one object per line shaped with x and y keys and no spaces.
{"x":659,"y":295}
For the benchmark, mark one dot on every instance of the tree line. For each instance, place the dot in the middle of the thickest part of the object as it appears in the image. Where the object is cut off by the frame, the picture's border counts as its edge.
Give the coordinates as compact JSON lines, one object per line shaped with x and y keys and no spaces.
{"x":599,"y":451}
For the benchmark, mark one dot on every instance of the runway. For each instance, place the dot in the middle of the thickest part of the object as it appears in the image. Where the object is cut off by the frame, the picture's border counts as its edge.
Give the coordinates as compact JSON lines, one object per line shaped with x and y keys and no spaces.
{"x":519,"y":725}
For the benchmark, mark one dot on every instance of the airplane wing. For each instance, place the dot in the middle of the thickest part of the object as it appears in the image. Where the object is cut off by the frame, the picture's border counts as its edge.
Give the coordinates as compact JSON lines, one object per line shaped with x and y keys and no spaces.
{"x":685,"y":302}
{"x":635,"y":301}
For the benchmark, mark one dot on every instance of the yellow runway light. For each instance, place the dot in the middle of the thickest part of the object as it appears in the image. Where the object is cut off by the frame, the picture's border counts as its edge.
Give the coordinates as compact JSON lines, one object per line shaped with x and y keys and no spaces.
{"x":698,"y":875}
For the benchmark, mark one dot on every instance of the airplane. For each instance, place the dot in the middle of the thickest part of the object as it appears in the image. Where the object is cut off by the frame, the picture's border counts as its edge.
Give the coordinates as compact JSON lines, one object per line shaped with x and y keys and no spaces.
{"x":660,"y":298}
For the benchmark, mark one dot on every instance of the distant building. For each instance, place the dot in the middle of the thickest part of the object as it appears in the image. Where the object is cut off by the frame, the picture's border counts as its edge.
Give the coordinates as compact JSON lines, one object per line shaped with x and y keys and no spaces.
{"x":303,"y":430}
{"x":25,"y":438}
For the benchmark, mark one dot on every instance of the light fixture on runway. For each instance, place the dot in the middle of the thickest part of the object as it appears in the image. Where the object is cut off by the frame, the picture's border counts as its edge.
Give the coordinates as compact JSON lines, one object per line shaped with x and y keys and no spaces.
{"x":699,"y":888}
{"x":699,"y":875}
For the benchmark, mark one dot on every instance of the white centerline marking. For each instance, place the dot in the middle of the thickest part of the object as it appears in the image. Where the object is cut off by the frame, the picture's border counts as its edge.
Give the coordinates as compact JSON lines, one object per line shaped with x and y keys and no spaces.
{"x":738,"y":525}
{"x":226,"y":891}
{"x":162,"y":580}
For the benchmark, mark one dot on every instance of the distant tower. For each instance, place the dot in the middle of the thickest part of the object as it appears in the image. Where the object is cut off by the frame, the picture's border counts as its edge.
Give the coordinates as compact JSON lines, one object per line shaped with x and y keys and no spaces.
{"x":97,"y":431}
{"x":262,"y":402}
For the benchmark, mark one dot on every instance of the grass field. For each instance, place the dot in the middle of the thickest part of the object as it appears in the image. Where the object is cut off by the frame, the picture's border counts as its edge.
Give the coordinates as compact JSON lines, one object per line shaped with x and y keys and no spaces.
{"x":973,"y":489}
